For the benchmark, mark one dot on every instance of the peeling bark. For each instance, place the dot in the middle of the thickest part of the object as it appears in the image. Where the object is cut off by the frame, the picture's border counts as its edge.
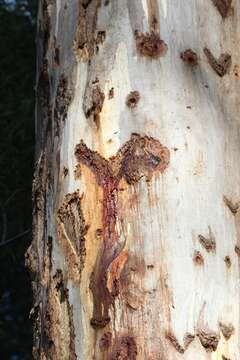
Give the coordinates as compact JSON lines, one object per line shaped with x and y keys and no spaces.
{"x":136,"y":222}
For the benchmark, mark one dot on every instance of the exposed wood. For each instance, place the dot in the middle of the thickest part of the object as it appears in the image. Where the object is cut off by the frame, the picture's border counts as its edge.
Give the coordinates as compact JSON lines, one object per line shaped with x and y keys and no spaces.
{"x":136,"y":249}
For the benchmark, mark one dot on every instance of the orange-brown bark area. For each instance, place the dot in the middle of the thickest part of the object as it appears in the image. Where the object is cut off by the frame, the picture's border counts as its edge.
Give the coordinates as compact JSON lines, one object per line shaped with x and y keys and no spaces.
{"x":140,"y":156}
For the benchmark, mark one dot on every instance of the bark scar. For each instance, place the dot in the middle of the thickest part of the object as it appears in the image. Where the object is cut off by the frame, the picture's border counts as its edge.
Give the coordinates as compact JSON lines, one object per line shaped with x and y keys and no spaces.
{"x":140,"y":156}
{"x":220,"y":65}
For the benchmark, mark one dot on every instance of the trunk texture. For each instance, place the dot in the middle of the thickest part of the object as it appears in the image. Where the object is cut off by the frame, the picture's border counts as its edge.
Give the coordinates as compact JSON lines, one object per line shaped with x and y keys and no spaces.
{"x":136,"y":248}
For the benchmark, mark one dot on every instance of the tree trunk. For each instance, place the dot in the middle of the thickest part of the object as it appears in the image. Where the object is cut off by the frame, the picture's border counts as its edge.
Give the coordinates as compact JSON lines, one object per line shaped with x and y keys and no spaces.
{"x":136,"y":244}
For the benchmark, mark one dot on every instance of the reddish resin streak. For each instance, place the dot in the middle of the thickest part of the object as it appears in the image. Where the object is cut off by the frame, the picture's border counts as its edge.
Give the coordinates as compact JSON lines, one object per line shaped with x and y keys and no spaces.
{"x":140,"y":156}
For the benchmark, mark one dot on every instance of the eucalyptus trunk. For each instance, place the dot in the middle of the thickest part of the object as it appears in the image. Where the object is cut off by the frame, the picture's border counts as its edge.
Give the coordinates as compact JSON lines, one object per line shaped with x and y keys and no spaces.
{"x":136,"y":245}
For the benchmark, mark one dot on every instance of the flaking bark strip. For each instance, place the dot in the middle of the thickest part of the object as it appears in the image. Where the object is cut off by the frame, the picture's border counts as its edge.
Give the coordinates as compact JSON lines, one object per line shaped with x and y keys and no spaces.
{"x":124,"y":347}
{"x":223,"y":7}
{"x":140,"y":156}
{"x":150,"y":45}
{"x":93,"y":101}
{"x":189,"y":57}
{"x":173,"y":340}
{"x":220,"y":65}
{"x":208,"y":243}
{"x":72,"y":351}
{"x":209,"y":339}
{"x":62,"y":102}
{"x":226,"y":329}
{"x":85,"y":40}
{"x":232,"y":207}
{"x":71,"y":233}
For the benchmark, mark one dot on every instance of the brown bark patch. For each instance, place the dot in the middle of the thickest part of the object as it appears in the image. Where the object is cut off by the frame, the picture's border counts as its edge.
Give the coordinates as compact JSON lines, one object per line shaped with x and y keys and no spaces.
{"x":227,"y":330}
{"x":209,"y":243}
{"x":225,"y":358}
{"x":140,"y":156}
{"x":111,"y":93}
{"x":150,"y":45}
{"x":233,"y":207}
{"x":173,"y":340}
{"x":105,"y":341}
{"x":223,"y":7}
{"x":93,"y":102}
{"x":188,"y":338}
{"x":71,"y":233}
{"x":209,"y":339}
{"x":133,"y":99}
{"x":228,"y":261}
{"x":62,"y":102}
{"x":220,"y":65}
{"x":189,"y":57}
{"x":77,"y":172}
{"x":237,"y":250}
{"x":125,"y":348}
{"x":198,"y":258}
{"x":85,"y":40}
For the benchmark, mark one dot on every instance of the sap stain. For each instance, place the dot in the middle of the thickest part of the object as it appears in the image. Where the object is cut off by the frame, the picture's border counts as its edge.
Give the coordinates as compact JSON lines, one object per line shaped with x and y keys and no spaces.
{"x":140,"y":156}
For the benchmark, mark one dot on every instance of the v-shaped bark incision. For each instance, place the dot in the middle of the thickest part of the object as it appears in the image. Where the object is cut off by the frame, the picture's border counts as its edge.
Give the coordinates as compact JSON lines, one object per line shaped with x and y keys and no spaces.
{"x":140,"y":156}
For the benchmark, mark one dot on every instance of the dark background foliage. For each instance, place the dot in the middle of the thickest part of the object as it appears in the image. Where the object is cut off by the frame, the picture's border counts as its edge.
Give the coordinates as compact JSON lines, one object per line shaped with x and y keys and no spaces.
{"x":17,"y":78}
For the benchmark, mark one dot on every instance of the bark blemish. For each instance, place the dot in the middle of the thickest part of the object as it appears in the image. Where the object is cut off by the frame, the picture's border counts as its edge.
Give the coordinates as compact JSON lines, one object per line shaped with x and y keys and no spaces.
{"x":232,"y":207}
{"x":173,"y":340}
{"x":150,"y":45}
{"x":198,"y":258}
{"x":71,"y":233}
{"x":189,"y":57}
{"x":93,"y":102}
{"x":227,"y":330}
{"x":85,"y":40}
{"x":72,"y":351}
{"x":208,"y":243}
{"x":209,"y":339}
{"x":237,"y":250}
{"x":125,"y":348}
{"x":62,"y":102}
{"x":223,"y":7}
{"x":77,"y":172}
{"x":65,"y":171}
{"x":228,"y":261}
{"x":225,"y":358}
{"x":220,"y":65}
{"x":138,"y":157}
{"x":101,"y":36}
{"x":133,"y":99}
{"x":111,"y":93}
{"x":105,"y":341}
{"x":188,"y":338}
